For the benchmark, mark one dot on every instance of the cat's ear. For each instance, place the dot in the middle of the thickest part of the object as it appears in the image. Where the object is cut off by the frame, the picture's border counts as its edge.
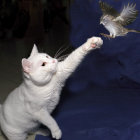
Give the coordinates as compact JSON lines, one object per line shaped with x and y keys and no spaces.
{"x":34,"y":50}
{"x":26,"y":65}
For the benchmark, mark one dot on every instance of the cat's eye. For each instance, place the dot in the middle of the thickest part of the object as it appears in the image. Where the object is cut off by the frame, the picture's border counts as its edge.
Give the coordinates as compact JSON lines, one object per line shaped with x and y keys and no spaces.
{"x":47,"y":56}
{"x":44,"y":63}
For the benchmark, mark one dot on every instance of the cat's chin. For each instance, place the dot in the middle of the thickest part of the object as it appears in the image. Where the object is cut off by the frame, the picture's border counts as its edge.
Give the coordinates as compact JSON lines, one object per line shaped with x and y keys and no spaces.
{"x":42,"y":83}
{"x":54,"y":71}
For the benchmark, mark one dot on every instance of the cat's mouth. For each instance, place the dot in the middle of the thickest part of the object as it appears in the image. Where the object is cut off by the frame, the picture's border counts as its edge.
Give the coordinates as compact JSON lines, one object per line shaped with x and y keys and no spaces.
{"x":53,"y":67}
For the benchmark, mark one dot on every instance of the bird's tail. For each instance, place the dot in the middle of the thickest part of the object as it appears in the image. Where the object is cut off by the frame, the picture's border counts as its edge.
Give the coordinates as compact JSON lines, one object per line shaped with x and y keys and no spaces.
{"x":134,"y":31}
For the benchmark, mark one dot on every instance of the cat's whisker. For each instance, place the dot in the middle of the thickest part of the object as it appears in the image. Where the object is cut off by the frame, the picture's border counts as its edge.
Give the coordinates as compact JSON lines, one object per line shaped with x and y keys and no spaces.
{"x":65,"y":55}
{"x":61,"y":51}
{"x":61,"y":58}
{"x":58,"y":52}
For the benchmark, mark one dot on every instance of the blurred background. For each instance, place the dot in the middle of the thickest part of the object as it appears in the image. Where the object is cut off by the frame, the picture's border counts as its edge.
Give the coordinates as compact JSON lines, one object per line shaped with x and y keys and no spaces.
{"x":24,"y":23}
{"x":101,"y":99}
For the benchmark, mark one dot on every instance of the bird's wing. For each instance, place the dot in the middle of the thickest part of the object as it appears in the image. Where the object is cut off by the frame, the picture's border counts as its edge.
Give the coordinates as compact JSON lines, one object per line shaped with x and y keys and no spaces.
{"x":127,"y":15}
{"x":107,"y":9}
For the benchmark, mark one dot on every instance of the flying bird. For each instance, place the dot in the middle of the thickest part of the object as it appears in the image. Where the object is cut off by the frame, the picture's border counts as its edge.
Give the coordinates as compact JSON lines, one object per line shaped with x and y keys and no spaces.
{"x":115,"y":22}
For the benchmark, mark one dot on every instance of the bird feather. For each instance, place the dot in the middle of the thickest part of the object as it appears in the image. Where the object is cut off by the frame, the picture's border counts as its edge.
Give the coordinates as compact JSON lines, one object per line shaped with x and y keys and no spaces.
{"x":127,"y":15}
{"x":107,"y":9}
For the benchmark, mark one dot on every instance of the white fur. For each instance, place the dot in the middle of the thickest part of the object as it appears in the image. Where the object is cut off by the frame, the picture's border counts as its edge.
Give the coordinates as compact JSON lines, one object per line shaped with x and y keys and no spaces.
{"x":33,"y":101}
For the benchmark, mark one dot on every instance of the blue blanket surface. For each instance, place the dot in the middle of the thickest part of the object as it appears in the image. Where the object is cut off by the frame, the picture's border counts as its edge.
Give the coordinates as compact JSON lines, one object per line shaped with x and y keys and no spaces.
{"x":99,"y":114}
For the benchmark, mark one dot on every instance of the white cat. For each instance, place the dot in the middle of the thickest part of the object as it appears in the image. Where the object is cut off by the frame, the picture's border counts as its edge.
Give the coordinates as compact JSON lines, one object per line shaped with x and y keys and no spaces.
{"x":32,"y":102}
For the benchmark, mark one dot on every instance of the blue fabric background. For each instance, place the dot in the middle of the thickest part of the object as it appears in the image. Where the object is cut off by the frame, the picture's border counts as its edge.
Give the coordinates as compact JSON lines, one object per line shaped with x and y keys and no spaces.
{"x":107,"y":106}
{"x":118,"y":62}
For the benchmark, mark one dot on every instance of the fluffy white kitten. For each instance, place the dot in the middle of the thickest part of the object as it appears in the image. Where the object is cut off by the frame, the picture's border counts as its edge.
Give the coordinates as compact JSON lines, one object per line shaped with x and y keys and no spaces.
{"x":32,"y":102}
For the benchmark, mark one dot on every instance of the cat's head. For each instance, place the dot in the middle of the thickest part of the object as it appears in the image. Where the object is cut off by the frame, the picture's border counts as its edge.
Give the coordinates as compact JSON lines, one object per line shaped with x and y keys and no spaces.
{"x":39,"y":67}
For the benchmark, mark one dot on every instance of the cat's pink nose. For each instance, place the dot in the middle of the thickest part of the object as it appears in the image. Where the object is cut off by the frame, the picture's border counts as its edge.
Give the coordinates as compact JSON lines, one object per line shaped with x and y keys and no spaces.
{"x":53,"y":61}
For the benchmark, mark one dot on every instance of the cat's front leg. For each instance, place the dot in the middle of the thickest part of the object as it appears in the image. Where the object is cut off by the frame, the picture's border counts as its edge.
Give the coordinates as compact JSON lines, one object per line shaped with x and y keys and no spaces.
{"x":66,"y":67}
{"x":45,"y":118}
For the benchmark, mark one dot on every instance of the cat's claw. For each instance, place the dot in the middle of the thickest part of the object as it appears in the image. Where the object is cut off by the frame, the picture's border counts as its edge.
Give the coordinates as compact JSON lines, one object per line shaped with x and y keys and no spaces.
{"x":93,"y":43}
{"x":57,"y":134}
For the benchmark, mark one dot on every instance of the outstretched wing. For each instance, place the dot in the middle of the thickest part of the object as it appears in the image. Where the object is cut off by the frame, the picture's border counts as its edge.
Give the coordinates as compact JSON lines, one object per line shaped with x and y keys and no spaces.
{"x":127,"y":15}
{"x":107,"y":9}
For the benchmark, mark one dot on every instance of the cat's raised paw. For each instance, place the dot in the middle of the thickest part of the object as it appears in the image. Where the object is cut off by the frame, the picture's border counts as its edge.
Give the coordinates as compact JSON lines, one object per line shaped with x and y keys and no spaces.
{"x":93,"y":43}
{"x":57,"y":134}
